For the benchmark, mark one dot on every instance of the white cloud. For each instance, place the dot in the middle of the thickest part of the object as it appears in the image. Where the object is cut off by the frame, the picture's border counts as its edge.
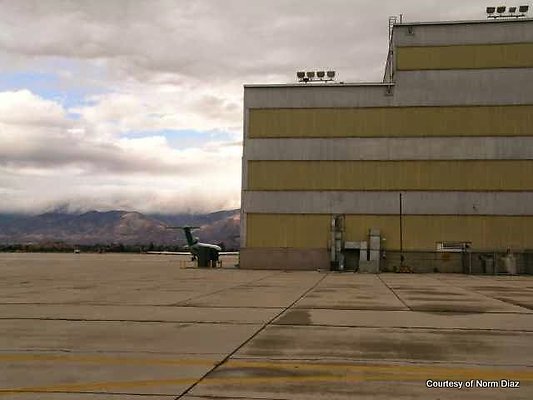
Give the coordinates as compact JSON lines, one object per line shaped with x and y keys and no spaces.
{"x":62,"y":162}
{"x":22,"y":107}
{"x":136,"y":107}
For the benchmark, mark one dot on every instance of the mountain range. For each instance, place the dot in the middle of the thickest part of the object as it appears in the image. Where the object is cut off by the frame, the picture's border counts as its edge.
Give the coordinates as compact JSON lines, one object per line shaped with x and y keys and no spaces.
{"x":126,"y":227}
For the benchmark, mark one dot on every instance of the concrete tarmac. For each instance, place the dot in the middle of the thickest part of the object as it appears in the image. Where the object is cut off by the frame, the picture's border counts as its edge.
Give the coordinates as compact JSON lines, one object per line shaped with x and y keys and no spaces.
{"x":108,"y":326}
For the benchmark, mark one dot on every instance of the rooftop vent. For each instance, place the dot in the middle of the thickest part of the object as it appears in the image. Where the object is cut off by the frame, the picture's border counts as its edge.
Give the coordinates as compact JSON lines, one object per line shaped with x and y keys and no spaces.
{"x":453,"y":247}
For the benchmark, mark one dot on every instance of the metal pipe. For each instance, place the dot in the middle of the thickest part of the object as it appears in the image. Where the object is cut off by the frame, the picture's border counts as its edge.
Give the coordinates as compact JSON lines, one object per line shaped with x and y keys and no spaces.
{"x":401,"y":231}
{"x":333,"y":250}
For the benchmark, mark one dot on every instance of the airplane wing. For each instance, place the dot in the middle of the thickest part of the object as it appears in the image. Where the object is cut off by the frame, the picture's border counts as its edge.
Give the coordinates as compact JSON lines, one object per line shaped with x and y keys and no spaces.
{"x":170,"y":253}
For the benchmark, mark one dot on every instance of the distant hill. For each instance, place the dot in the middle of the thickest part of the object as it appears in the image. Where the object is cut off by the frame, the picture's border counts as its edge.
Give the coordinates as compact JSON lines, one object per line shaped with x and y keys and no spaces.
{"x":194,"y":219}
{"x":127,"y":227}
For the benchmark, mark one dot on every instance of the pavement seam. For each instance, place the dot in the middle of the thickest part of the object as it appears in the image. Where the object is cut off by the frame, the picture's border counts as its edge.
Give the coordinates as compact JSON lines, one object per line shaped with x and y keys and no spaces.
{"x":384,"y":360}
{"x":515,"y":304}
{"x":69,"y":351}
{"x":406,"y":327}
{"x":261,"y":329}
{"x":174,"y":305}
{"x":141,"y":321}
{"x":394,"y":293}
{"x":98,"y":392}
{"x":390,"y":361}
{"x":281,"y":324}
{"x":216,"y":397}
{"x":405,"y":311}
{"x":221,"y":290}
{"x":469,"y":290}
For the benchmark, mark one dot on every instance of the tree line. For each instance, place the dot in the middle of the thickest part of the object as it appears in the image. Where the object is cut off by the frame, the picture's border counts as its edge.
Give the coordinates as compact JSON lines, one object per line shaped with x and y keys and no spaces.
{"x":62,"y":247}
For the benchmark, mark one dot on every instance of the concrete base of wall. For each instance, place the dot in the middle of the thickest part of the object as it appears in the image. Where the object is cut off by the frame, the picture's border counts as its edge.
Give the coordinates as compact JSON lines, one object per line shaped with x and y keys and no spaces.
{"x":284,"y":258}
{"x":368,"y":267}
{"x":418,"y":261}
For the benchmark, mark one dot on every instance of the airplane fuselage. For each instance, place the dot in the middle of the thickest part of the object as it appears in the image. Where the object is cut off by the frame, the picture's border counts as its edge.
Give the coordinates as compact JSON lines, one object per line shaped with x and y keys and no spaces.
{"x":195,"y":247}
{"x":207,"y":254}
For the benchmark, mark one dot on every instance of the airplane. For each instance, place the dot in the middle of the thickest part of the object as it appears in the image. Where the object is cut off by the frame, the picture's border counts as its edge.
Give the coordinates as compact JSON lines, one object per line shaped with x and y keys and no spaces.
{"x":207,"y":254}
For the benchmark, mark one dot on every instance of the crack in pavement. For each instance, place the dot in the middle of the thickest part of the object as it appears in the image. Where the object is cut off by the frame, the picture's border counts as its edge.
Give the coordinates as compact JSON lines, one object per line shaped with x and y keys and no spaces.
{"x":261,"y":329}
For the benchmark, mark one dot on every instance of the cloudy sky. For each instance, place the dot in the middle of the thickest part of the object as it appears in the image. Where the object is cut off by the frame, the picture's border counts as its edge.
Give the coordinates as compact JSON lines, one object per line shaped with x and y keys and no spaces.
{"x":137,"y":105}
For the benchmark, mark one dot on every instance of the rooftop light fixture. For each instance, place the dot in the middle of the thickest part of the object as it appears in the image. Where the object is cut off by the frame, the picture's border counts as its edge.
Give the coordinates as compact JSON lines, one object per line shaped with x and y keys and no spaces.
{"x":507,"y":12}
{"x":315,"y":76}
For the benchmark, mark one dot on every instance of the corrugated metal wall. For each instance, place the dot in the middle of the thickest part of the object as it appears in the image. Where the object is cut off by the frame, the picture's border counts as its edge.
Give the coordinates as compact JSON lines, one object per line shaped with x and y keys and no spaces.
{"x":513,"y":55}
{"x":420,"y":232}
{"x":392,"y":121}
{"x":391,"y":175}
{"x":287,"y":230}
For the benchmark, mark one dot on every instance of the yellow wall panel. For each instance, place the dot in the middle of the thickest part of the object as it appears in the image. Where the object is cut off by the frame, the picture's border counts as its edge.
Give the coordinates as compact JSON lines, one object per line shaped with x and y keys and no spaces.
{"x":287,"y":230}
{"x":419,"y":232}
{"x":312,"y":230}
{"x":392,"y":121}
{"x":515,"y":55}
{"x":391,"y":175}
{"x":485,"y":232}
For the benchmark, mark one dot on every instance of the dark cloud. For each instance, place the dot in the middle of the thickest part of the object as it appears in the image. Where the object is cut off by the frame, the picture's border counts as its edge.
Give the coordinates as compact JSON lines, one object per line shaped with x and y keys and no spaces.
{"x":209,"y":40}
{"x":91,"y":158}
{"x":150,"y":66}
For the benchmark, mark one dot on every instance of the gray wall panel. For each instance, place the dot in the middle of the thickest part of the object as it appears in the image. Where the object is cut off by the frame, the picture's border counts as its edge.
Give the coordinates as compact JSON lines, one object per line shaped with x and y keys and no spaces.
{"x":320,"y":95}
{"x":414,"y":203}
{"x":244,"y":177}
{"x":441,"y":148}
{"x":412,"y":88}
{"x":464,"y":87}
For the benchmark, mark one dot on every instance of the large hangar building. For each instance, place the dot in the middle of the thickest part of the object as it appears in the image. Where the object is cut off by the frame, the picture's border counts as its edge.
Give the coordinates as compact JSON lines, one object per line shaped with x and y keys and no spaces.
{"x":450,"y":128}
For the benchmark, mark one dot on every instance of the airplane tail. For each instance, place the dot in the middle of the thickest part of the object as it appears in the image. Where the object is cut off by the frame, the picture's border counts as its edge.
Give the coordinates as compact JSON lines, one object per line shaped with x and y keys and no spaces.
{"x":187,"y":230}
{"x":190,"y":240}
